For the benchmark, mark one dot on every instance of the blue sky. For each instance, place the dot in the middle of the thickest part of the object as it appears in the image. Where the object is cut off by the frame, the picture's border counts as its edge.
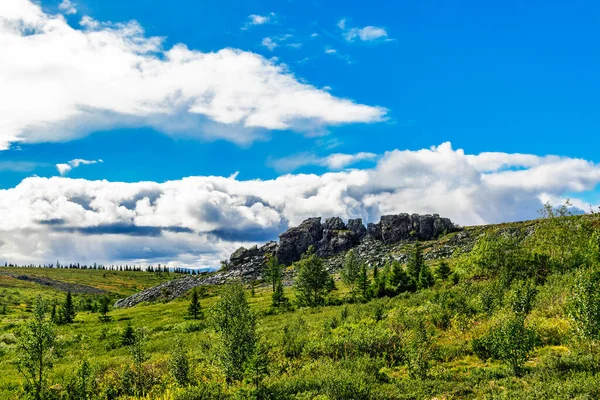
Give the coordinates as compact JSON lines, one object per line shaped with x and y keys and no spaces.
{"x":511,"y":85}
{"x":492,"y":76}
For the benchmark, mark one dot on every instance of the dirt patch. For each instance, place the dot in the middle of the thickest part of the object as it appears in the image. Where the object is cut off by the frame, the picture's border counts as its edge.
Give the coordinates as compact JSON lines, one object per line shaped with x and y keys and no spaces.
{"x":60,"y":285}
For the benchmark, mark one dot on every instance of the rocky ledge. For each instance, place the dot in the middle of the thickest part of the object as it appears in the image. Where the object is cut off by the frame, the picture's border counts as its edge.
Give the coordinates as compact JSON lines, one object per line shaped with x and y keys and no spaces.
{"x":330,"y":239}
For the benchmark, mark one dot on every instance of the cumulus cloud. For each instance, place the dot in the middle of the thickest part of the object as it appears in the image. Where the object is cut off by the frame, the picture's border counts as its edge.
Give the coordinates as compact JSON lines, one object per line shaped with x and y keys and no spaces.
{"x":269,"y":43}
{"x":64,"y":169}
{"x":197,"y":221}
{"x":255,"y":19}
{"x":67,"y":7}
{"x":366,"y":34}
{"x":60,"y":83}
{"x":335,"y":161}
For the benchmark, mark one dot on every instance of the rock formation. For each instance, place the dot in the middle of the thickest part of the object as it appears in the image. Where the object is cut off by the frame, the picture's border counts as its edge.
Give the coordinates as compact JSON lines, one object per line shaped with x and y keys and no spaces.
{"x":330,"y":239}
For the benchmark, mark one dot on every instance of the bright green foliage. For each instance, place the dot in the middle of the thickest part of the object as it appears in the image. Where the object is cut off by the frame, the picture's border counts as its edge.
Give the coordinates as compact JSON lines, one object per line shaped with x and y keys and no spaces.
{"x":399,"y":281}
{"x":562,"y":235}
{"x":68,"y":310}
{"x":521,"y":297}
{"x":273,"y":271}
{"x":36,"y":353}
{"x":83,"y":385}
{"x":179,"y":363}
{"x":128,"y":335}
{"x":443,"y":271}
{"x":278,"y":298}
{"x":139,"y":356}
{"x":195,"y":309}
{"x":258,"y":364}
{"x":415,"y":262}
{"x":584,"y":304}
{"x":351,"y":270}
{"x":311,"y":281}
{"x":418,"y":350}
{"x":236,"y":326}
{"x":363,"y":283}
{"x":104,"y":309}
{"x":509,"y":341}
{"x":426,"y":278}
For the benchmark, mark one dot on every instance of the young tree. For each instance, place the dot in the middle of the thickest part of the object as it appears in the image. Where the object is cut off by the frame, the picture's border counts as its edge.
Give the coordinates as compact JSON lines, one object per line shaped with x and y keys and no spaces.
{"x":426,"y":278}
{"x":443,"y":271}
{"x":236,"y":326}
{"x":273,"y":271}
{"x":584,"y":305}
{"x":258,"y":364}
{"x":278,"y":297}
{"x":311,"y":280}
{"x":36,"y":351}
{"x":68,"y":310}
{"x":139,"y":356}
{"x":415,"y":263}
{"x":82,"y":385}
{"x":179,"y":363}
{"x":351,"y":270}
{"x":104,"y":309}
{"x":363,"y":284}
{"x":195,"y":309}
{"x":399,"y":281}
{"x":128,"y":335}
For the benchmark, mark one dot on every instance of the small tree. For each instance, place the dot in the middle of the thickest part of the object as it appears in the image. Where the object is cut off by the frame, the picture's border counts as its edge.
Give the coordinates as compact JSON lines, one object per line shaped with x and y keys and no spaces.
{"x":443,"y":271}
{"x":195,"y":309}
{"x":416,"y":263}
{"x":584,"y":305}
{"x":68,"y":310}
{"x":399,"y":281}
{"x":273,"y":271}
{"x":426,"y":278}
{"x":179,"y":363}
{"x":258,"y":365}
{"x":236,"y":326}
{"x":139,"y":356}
{"x":36,"y":351}
{"x":278,"y":298}
{"x":510,"y":341}
{"x":128,"y":335}
{"x":83,"y":385}
{"x":351,"y":270}
{"x":311,"y":280}
{"x":363,"y":284}
{"x":104,"y":309}
{"x":418,"y":350}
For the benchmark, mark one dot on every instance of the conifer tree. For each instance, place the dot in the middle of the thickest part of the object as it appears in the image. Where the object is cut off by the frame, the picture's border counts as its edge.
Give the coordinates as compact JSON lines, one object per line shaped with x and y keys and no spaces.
{"x":363,"y":283}
{"x":195,"y":309}
{"x":68,"y":310}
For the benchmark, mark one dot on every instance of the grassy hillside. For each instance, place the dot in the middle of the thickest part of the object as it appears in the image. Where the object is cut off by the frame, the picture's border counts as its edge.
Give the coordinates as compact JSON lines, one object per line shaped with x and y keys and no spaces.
{"x":432,"y":342}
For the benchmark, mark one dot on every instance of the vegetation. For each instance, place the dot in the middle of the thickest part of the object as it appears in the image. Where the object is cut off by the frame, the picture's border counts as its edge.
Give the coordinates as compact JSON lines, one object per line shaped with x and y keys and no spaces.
{"x":515,"y":316}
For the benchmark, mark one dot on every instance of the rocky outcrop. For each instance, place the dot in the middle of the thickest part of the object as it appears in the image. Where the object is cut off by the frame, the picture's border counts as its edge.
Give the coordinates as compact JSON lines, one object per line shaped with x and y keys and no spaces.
{"x":330,"y":240}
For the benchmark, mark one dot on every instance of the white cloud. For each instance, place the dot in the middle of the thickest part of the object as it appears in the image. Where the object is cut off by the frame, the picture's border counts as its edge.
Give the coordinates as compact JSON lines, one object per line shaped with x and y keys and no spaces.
{"x":335,"y":161}
{"x":255,"y":19}
{"x":269,"y":43}
{"x":366,"y":34}
{"x":64,"y":169}
{"x":60,"y":83}
{"x":200,"y":220}
{"x":67,"y":7}
{"x":19,"y":166}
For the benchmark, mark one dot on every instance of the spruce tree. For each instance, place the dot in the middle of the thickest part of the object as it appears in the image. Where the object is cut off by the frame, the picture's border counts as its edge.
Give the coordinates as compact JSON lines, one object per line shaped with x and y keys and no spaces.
{"x":195,"y":309}
{"x":104,"y":309}
{"x":399,"y":280}
{"x":415,"y":263}
{"x":443,"y":271}
{"x":68,"y":310}
{"x":363,"y":283}
{"x":278,"y":298}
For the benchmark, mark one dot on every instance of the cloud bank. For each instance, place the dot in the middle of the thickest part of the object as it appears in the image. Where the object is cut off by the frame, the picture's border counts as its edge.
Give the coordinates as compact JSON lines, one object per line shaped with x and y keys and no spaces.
{"x":59,"y":83}
{"x":198,"y":221}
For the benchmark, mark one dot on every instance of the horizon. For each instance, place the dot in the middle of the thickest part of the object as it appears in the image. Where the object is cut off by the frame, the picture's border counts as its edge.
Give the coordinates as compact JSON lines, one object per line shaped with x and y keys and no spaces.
{"x":173,"y":133}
